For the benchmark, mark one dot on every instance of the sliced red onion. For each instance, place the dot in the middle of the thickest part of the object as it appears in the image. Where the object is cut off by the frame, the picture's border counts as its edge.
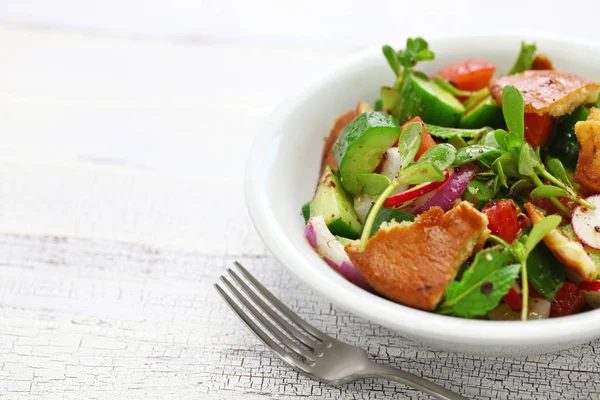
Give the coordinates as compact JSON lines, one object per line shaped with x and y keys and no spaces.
{"x":451,"y":190}
{"x":332,"y":251}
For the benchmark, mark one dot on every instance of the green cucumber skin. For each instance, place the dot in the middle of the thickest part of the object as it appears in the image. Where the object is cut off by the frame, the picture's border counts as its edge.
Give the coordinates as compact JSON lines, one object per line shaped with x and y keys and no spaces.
{"x":485,"y":113}
{"x":335,"y":206}
{"x":361,"y":145}
{"x":417,"y":101}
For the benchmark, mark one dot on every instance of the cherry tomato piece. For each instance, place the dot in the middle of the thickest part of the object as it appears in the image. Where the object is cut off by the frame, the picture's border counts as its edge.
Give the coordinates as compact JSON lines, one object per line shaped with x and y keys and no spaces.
{"x":568,"y":300}
{"x":538,"y":129}
{"x":505,"y":219}
{"x":468,"y":75}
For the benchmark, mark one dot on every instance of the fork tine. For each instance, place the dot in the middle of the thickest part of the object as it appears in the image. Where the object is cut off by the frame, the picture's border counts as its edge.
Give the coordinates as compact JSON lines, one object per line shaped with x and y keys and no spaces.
{"x":289,"y":328}
{"x":282,"y":307}
{"x":270,"y":343}
{"x":279,"y":335}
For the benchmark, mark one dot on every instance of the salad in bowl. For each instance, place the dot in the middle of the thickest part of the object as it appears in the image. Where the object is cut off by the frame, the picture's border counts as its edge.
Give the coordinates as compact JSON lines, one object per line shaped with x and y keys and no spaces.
{"x":470,"y":192}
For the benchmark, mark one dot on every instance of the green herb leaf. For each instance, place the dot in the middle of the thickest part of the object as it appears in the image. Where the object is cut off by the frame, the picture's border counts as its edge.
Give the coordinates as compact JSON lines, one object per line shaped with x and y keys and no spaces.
{"x":480,"y":190}
{"x":390,"y":99}
{"x":547,"y":191}
{"x":378,"y":106}
{"x":441,"y":155}
{"x":524,"y":59}
{"x":474,"y":152}
{"x":390,"y":56}
{"x":520,"y":186}
{"x":447,"y":86}
{"x":306,"y":212}
{"x":546,"y":273}
{"x":410,"y":142}
{"x":500,"y":137}
{"x":373,"y":184}
{"x":556,"y":168}
{"x":417,"y":49}
{"x":513,"y":110}
{"x":540,"y":230}
{"x":489,"y":140}
{"x":513,"y":142}
{"x":476,"y":98}
{"x":483,"y":284}
{"x":421,"y":172}
{"x":443,"y":132}
{"x":387,"y":215}
{"x":457,"y":142}
{"x":527,"y":161}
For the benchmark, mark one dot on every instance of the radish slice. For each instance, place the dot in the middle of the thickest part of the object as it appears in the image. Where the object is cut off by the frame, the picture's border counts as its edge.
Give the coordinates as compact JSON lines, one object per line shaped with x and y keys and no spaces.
{"x":591,"y":293}
{"x":586,"y":223}
{"x":332,"y":251}
{"x":538,"y":308}
{"x":414,"y":192}
{"x":362,"y":206}
{"x":390,"y":167}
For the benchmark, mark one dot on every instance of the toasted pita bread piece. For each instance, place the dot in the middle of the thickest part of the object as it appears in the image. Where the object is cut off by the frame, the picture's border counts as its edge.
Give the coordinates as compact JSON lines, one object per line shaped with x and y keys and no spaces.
{"x":548,"y":92}
{"x":587,"y":171}
{"x":413,"y":262}
{"x":340,"y":123}
{"x":569,"y":252}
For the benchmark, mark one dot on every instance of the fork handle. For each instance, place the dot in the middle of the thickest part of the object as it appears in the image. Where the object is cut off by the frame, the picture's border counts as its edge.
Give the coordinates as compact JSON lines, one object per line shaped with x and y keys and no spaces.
{"x":394,"y":374}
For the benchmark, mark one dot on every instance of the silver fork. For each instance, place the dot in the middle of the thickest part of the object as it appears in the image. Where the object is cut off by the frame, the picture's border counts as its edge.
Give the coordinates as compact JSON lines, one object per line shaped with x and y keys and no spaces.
{"x":312,"y":353}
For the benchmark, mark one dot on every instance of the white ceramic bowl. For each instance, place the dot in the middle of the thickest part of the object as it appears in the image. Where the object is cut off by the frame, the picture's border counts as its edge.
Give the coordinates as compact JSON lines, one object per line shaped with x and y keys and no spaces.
{"x":283,"y":169}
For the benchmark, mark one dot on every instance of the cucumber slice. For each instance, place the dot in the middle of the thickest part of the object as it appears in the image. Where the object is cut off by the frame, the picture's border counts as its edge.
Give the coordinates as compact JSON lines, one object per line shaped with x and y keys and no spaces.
{"x":334,"y":205}
{"x":485,"y":113}
{"x":420,"y":97}
{"x":361,"y":145}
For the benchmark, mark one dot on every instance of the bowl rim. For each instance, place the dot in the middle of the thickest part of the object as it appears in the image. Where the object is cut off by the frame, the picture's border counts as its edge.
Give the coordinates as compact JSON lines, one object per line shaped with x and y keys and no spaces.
{"x":407,"y":320}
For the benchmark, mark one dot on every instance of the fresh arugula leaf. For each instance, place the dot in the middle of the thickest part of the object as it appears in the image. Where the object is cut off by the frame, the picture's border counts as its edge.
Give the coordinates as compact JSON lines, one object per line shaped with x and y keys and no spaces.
{"x":387,"y":215}
{"x":421,"y":172}
{"x":547,"y":191}
{"x":545,"y":272}
{"x":483,"y":284}
{"x":410,"y":142}
{"x":390,"y":56}
{"x":441,"y":155}
{"x":556,"y":168}
{"x":447,"y":86}
{"x":443,"y":132}
{"x":373,"y":184}
{"x":474,"y":152}
{"x":524,"y":59}
{"x":513,"y":110}
{"x":541,"y":229}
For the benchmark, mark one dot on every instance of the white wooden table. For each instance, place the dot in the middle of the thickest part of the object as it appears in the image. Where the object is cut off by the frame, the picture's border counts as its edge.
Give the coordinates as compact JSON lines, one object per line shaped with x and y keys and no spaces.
{"x":124,"y":128}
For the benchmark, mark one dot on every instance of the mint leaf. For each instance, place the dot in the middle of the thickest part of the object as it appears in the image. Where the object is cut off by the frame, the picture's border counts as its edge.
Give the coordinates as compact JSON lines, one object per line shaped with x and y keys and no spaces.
{"x":524,"y":59}
{"x":373,"y":184}
{"x":483,"y":284}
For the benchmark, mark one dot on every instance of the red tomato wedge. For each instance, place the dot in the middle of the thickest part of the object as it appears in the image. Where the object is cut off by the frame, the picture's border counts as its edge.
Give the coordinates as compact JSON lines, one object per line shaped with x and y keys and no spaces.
{"x":538,"y":129}
{"x":590,"y":286}
{"x":468,"y":75}
{"x":505,"y":219}
{"x":568,"y":300}
{"x":427,"y":141}
{"x":513,"y":299}
{"x":414,"y":192}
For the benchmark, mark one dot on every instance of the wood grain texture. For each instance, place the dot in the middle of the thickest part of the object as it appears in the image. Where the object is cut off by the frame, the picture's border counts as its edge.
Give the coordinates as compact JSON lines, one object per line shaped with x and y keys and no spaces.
{"x":101,"y":319}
